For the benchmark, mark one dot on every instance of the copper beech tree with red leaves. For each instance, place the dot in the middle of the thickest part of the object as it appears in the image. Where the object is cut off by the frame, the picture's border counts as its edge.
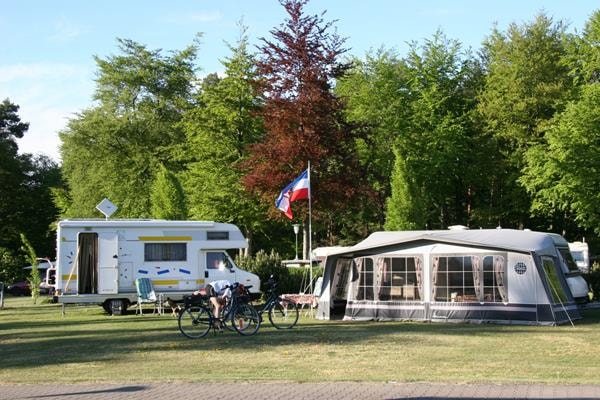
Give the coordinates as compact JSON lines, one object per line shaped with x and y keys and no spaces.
{"x":303,"y":118}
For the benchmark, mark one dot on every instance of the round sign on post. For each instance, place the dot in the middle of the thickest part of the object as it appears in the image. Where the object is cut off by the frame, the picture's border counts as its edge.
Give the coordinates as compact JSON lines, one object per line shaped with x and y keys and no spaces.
{"x":106,"y":207}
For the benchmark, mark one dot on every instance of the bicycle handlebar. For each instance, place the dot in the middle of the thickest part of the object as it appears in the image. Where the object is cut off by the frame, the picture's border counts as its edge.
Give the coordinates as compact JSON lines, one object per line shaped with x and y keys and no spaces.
{"x":235,"y":285}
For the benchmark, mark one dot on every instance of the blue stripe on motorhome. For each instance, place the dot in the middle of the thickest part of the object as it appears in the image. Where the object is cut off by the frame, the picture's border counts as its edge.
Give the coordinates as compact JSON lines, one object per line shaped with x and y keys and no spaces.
{"x":164,"y":271}
{"x":185,"y":271}
{"x":142,"y":271}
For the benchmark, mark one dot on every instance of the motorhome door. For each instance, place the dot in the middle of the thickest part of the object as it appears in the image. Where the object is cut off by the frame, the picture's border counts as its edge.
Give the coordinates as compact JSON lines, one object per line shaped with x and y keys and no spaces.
{"x":87,"y":263}
{"x":217,"y":266}
{"x":108,"y":261}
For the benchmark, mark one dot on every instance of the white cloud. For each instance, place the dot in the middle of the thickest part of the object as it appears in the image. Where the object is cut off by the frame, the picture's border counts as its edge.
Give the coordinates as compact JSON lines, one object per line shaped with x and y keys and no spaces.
{"x":443,"y":12}
{"x":206,"y":16}
{"x":13,"y":74}
{"x":48,"y":95}
{"x":200,"y":16}
{"x":44,"y":125}
{"x":64,"y":31}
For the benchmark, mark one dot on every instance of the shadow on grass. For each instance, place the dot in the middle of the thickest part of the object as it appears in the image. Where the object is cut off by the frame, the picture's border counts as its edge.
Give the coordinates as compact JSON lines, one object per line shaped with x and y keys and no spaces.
{"x":38,"y":339}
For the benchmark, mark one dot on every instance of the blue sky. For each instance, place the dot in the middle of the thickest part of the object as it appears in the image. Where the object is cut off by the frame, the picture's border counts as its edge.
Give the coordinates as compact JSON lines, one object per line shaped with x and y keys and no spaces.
{"x":46,"y":55}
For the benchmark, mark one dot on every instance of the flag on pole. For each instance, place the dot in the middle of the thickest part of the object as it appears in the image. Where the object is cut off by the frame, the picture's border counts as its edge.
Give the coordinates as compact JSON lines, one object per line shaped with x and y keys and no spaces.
{"x":299,"y":189}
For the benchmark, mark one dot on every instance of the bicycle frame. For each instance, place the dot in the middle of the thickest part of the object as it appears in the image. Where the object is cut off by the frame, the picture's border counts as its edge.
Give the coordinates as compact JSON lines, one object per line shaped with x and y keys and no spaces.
{"x":270,"y":303}
{"x":201,"y":313}
{"x":283,"y":314}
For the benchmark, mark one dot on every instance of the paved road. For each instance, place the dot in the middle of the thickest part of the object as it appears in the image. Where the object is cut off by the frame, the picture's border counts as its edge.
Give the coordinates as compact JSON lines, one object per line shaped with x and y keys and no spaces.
{"x":341,"y":390}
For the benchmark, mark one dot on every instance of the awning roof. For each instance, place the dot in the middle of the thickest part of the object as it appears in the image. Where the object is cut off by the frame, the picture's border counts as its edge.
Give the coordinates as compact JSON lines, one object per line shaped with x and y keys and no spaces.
{"x":507,"y":239}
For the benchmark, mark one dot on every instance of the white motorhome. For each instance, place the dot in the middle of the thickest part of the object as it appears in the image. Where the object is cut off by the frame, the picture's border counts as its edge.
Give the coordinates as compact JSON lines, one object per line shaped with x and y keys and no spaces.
{"x":581,"y":254}
{"x":98,"y":261}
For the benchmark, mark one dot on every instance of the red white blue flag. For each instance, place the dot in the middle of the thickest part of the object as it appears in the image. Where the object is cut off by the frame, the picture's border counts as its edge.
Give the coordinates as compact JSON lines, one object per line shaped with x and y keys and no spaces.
{"x":299,"y":189}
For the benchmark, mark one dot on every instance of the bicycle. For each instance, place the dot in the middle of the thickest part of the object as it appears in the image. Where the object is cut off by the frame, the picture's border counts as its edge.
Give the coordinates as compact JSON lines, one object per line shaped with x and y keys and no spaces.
{"x":283,"y":313}
{"x":197,"y":318}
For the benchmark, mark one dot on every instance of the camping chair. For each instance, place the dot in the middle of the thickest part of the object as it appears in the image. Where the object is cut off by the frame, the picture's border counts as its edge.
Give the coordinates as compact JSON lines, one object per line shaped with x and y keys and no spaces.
{"x":146,"y":294}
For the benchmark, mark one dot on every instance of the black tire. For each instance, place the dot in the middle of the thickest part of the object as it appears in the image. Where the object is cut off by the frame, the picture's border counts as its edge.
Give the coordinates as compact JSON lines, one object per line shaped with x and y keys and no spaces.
{"x":245,"y":319}
{"x":194,"y":321}
{"x":115,"y":306}
{"x":106,"y":307}
{"x":284,"y":314}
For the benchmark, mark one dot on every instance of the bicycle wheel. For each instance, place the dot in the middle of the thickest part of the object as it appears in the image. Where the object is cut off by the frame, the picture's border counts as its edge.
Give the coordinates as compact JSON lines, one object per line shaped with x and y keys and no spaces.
{"x":226,"y":317}
{"x":195,"y":321}
{"x":245,"y":319}
{"x":284,"y":314}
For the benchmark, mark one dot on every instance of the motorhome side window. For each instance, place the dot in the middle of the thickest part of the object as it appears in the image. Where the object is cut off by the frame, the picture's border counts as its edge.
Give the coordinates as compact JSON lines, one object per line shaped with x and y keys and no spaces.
{"x":217,"y":235}
{"x":217,"y":260}
{"x":165,"y":252}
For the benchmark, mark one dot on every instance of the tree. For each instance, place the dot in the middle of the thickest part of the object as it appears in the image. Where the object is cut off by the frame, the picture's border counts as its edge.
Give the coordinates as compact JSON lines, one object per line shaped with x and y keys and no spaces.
{"x":11,"y":127}
{"x":40,"y":213}
{"x":422,"y":143}
{"x":167,"y":197}
{"x":12,"y":175}
{"x":376,"y":97}
{"x":526,"y":84}
{"x":403,"y":205}
{"x":115,"y":149}
{"x":304,"y":120}
{"x":34,"y":278}
{"x":563,"y":175}
{"x":11,"y":265}
{"x":561,"y":172}
{"x":441,"y":143}
{"x":583,"y":57}
{"x":25,"y":199}
{"x":219,"y":130}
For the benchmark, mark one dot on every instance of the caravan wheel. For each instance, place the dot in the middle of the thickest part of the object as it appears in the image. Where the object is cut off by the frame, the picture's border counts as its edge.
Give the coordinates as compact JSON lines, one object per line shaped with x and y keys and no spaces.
{"x":106,"y":306}
{"x":115,"y":306}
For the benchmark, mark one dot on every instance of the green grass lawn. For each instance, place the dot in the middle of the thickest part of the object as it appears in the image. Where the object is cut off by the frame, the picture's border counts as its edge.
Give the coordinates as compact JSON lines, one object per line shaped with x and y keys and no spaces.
{"x":38,"y":345}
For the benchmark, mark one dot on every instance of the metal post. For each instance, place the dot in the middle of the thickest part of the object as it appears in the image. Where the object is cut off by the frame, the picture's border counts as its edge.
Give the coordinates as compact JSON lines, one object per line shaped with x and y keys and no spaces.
{"x":296,"y":231}
{"x":310,"y":229}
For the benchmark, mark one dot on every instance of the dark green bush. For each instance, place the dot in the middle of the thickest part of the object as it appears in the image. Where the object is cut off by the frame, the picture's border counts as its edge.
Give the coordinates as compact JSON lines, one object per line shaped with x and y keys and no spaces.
{"x":264,"y":265}
{"x":593,"y":279}
{"x":11,"y":267}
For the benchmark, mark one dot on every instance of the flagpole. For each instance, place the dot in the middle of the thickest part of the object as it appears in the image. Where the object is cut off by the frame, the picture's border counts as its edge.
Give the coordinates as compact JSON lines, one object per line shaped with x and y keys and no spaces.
{"x":310,"y":230}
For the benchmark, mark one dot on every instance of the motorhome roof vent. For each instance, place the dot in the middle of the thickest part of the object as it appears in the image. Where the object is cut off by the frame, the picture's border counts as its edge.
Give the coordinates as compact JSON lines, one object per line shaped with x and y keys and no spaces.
{"x":458,"y":228}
